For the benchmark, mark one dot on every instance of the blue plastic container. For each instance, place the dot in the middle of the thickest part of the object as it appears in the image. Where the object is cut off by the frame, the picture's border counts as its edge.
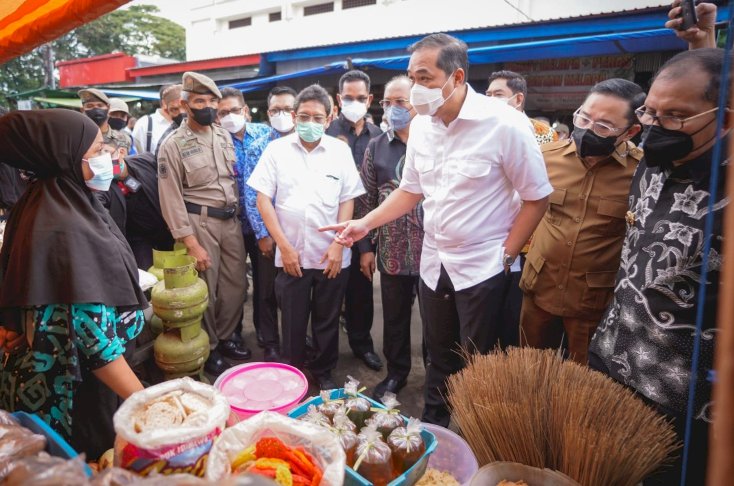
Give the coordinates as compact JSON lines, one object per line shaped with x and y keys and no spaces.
{"x":55,"y":444}
{"x":352,"y":478}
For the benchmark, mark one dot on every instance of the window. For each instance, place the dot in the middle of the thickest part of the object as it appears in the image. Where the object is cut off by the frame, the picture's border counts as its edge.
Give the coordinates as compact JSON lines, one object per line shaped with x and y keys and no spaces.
{"x":275,"y":16}
{"x":357,"y":3}
{"x":236,"y":24}
{"x":318,"y":9}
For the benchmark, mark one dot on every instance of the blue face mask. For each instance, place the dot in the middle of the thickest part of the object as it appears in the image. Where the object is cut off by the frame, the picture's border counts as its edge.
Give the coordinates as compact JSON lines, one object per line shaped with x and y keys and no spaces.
{"x":101,"y":167}
{"x":310,"y":131}
{"x":398,"y":117}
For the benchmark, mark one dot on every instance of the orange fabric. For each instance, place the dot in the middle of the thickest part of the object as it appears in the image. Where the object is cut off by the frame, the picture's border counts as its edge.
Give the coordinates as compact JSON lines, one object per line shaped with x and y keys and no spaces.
{"x":26,"y":24}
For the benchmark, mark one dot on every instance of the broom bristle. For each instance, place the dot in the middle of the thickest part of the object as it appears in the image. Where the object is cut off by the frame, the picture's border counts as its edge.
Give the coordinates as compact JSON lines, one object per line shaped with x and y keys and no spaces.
{"x":530,"y":406}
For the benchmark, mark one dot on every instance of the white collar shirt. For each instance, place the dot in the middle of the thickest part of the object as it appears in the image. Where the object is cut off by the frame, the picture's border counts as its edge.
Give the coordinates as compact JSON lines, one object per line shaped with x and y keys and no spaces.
{"x":307,"y":189}
{"x":470,"y":172}
{"x":140,"y":131}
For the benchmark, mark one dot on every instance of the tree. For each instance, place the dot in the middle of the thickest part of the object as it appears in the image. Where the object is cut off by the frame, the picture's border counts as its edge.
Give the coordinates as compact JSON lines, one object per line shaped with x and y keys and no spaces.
{"x":135,"y":30}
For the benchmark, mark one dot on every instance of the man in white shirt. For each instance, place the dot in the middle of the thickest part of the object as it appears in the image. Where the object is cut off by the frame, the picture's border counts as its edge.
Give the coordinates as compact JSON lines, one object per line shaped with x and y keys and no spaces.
{"x":150,"y":128}
{"x":304,"y":181}
{"x":468,"y":155}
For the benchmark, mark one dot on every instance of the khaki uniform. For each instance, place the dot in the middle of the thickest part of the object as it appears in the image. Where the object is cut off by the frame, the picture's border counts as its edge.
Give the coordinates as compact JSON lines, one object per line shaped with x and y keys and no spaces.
{"x":199,"y":169}
{"x":568,"y":278}
{"x":118,"y":138}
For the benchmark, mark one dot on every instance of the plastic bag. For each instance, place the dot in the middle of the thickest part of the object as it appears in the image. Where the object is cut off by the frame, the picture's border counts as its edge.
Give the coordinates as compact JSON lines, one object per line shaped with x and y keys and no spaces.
{"x":374,"y":458}
{"x":407,"y":446}
{"x":17,"y":442}
{"x":183,"y":448}
{"x":314,"y":416}
{"x":346,"y":422}
{"x":358,"y":408}
{"x":318,"y":441}
{"x":388,"y":419}
{"x":115,"y":476}
{"x":329,"y":407}
{"x":45,"y":470}
{"x":343,"y":429}
{"x":6,"y":418}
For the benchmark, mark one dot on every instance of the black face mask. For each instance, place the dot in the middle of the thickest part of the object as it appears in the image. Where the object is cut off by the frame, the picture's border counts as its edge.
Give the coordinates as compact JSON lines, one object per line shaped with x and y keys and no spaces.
{"x":117,"y":123}
{"x":663,"y":146}
{"x":589,"y":144}
{"x":98,"y":115}
{"x":178,"y":119}
{"x":204,"y":116}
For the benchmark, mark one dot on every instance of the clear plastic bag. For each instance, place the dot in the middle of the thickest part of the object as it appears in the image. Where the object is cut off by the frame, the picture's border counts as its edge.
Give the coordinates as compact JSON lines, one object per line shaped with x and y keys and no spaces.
{"x":344,"y":419}
{"x":316,"y":440}
{"x":115,"y":476}
{"x":17,"y":442}
{"x":344,"y":429}
{"x":358,"y":408}
{"x":407,"y":446}
{"x":6,"y":418}
{"x":329,"y":407}
{"x":45,"y":470}
{"x":314,"y":416}
{"x":388,"y":419}
{"x":374,"y":458}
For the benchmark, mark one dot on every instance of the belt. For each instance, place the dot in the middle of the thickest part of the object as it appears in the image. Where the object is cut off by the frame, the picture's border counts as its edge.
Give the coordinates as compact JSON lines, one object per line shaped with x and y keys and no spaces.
{"x":218,"y":213}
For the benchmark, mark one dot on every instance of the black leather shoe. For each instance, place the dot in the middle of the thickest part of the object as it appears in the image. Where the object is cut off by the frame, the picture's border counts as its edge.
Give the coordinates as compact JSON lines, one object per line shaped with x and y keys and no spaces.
{"x":371,"y":359}
{"x":326,"y":382}
{"x":215,"y":365}
{"x":272,"y":354}
{"x":234,"y":350}
{"x":392,"y":385}
{"x":260,"y":340}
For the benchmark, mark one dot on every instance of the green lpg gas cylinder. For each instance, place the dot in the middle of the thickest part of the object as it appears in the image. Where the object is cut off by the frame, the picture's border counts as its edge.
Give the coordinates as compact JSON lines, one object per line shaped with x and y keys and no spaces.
{"x":182,"y":297}
{"x":160,"y":256}
{"x":176,"y":357}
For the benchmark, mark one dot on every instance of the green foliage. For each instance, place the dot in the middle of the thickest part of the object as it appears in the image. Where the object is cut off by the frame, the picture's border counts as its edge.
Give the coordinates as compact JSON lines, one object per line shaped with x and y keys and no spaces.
{"x":135,"y":30}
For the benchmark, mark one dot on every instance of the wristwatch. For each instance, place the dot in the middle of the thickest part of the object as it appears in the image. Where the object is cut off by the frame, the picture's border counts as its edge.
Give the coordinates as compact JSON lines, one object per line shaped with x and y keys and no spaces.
{"x":508,"y":260}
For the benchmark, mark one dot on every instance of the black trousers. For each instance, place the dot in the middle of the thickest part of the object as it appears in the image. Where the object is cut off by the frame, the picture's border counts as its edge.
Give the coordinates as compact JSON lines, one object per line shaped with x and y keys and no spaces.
{"x":454,"y":320}
{"x":142,"y":245}
{"x":398,"y":293}
{"x":670,"y":474}
{"x":360,"y":308}
{"x":510,"y":333}
{"x":316,"y":297}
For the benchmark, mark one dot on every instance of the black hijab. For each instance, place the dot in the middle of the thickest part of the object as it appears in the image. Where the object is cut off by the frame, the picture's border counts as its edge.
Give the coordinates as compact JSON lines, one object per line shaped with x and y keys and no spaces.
{"x":60,"y":245}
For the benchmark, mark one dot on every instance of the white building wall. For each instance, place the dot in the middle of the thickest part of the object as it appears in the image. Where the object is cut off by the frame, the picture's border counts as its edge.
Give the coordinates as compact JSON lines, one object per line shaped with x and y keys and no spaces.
{"x":208,"y":34}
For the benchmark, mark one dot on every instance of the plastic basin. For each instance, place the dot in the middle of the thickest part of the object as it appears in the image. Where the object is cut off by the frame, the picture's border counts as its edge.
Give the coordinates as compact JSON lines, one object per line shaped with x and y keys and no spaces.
{"x":256,"y":387}
{"x":452,"y":455}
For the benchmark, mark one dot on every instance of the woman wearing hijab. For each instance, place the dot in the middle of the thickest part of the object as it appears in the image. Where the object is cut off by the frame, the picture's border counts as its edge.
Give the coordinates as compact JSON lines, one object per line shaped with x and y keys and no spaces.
{"x":69,"y":294}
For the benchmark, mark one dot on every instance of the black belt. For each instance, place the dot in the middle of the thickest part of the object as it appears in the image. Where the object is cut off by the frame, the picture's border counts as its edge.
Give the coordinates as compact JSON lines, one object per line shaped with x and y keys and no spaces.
{"x":218,"y":213}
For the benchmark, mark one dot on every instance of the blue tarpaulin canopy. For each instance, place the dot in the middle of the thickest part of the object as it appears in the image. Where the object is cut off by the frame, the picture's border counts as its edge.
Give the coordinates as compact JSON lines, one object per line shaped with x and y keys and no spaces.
{"x":263,"y":83}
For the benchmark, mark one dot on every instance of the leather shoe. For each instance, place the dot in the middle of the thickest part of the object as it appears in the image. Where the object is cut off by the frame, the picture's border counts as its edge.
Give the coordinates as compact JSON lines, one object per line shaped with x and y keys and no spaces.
{"x":260,"y":340}
{"x":326,"y":382}
{"x":234,"y":350}
{"x":389,"y":384}
{"x":215,"y":365}
{"x":371,"y":359}
{"x":271,"y":354}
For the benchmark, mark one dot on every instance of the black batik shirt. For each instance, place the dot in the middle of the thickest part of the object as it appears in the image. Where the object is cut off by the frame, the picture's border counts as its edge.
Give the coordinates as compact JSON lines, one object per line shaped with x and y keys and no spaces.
{"x":646,"y":336}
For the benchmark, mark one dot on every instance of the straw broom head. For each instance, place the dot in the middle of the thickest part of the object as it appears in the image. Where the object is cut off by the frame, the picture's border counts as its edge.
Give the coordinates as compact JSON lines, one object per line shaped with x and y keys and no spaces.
{"x":529,"y":406}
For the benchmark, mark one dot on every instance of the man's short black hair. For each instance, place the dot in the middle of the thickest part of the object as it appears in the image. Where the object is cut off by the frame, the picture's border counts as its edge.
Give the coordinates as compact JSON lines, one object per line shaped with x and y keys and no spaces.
{"x":710,"y":60}
{"x":625,"y":90}
{"x":452,"y":52}
{"x":515,"y":81}
{"x":229,"y":92}
{"x":353,"y":76}
{"x":314,"y":93}
{"x":281,"y":90}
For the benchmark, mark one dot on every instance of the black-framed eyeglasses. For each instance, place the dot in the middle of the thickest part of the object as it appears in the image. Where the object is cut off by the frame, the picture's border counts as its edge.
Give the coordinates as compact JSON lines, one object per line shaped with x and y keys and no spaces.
{"x":600,"y":128}
{"x":668,"y":122}
{"x":287,"y":111}
{"x":304,"y":118}
{"x":401,"y":102}
{"x":233,"y":111}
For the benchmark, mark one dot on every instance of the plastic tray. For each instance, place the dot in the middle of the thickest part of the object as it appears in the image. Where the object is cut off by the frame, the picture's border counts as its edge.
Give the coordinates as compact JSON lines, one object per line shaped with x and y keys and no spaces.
{"x":352,"y":478}
{"x":55,"y":444}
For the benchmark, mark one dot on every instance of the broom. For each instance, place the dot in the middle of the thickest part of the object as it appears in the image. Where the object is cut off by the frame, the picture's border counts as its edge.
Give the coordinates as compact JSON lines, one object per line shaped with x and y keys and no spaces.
{"x":529,"y":406}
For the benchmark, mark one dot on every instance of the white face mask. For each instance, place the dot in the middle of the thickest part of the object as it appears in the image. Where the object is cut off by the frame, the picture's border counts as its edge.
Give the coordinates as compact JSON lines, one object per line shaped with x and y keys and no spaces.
{"x":283,"y":122}
{"x":427,"y":101}
{"x":101,"y":167}
{"x":233,"y":123}
{"x":354,"y":110}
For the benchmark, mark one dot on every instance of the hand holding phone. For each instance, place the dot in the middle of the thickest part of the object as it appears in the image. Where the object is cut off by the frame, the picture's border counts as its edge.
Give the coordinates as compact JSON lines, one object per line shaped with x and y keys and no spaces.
{"x":688,"y":14}
{"x":695,"y":24}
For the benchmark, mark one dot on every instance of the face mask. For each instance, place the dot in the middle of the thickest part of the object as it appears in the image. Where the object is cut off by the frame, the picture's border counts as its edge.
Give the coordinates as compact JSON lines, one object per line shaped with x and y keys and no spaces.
{"x":354,"y":110}
{"x":204,"y":116}
{"x":178,"y":119}
{"x":101,"y":167}
{"x":97,"y":115}
{"x":508,"y":100}
{"x":233,"y":123}
{"x":663,"y":146}
{"x":117,"y":123}
{"x":589,"y":144}
{"x":283,"y":122}
{"x":398,"y":117}
{"x":427,"y":101}
{"x":310,"y":131}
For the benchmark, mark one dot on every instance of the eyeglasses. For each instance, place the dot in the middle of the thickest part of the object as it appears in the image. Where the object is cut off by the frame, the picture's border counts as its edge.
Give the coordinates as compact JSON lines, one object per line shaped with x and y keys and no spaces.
{"x":361,"y":99}
{"x":667,"y":122}
{"x":401,"y":102}
{"x":601,"y":129}
{"x":304,"y":118}
{"x":233,"y":111}
{"x":287,"y":111}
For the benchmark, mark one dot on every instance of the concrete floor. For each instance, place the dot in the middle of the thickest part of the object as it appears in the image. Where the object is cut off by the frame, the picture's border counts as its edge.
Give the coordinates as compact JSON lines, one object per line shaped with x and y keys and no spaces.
{"x":410,"y":397}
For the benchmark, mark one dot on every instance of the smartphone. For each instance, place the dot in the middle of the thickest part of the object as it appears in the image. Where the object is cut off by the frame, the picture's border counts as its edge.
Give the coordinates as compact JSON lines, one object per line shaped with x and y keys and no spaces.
{"x":688,"y":14}
{"x":132,"y":183}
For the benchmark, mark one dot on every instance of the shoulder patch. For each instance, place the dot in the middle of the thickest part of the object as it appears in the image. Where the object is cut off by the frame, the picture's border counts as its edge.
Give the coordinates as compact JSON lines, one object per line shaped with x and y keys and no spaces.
{"x":162,"y":169}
